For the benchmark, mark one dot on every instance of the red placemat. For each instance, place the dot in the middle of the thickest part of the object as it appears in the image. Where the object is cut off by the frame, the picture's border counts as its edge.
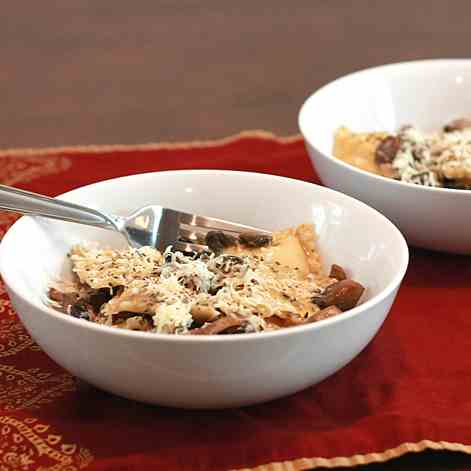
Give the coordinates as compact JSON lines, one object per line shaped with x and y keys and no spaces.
{"x":409,"y":390}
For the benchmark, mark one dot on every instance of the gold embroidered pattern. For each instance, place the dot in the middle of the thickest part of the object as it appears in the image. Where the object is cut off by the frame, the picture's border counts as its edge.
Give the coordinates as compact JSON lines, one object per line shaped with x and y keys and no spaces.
{"x":13,"y":336}
{"x":26,"y":168}
{"x":28,"y":444}
{"x":31,"y":388}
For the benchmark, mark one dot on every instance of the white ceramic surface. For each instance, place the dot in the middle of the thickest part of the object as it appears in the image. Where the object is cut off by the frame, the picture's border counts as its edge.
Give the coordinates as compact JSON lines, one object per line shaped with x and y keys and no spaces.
{"x":427,"y":94}
{"x":216,"y":371}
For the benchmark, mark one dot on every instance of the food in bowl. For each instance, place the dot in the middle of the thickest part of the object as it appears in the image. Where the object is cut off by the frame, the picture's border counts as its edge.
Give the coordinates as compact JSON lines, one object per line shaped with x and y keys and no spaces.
{"x":249,"y":284}
{"x":208,"y":371}
{"x":441,"y":159}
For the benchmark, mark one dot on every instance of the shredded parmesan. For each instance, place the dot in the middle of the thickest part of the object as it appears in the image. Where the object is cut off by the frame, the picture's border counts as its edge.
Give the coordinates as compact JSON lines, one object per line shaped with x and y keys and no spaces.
{"x":99,"y":268}
{"x":250,"y":285}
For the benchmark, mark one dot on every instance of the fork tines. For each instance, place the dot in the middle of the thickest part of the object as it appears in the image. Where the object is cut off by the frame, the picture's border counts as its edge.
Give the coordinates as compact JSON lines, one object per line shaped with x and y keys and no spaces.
{"x":193,"y":230}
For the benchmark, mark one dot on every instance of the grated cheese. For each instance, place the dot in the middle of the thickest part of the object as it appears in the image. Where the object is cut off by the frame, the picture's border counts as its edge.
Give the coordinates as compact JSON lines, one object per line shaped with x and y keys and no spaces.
{"x":103,"y":268}
{"x":251,"y":285}
{"x":428,"y":159}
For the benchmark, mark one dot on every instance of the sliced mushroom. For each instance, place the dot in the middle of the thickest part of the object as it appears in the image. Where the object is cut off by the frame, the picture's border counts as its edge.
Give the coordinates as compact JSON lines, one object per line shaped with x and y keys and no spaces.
{"x":70,"y":304}
{"x":458,"y":125}
{"x":216,"y":327}
{"x":254,"y":240}
{"x":137,"y":323}
{"x":125,"y":315}
{"x":289,"y":321}
{"x":325,"y":313}
{"x":64,"y":299}
{"x":294,"y":320}
{"x":344,"y":294}
{"x":202,"y":313}
{"x":237,"y":329}
{"x":102,"y":296}
{"x":387,"y":150}
{"x":82,"y":310}
{"x":217,"y":241}
{"x":337,"y":272}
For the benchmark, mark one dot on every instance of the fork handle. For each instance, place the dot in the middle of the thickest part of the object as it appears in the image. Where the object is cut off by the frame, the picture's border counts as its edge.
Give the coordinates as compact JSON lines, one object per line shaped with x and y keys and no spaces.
{"x":26,"y":202}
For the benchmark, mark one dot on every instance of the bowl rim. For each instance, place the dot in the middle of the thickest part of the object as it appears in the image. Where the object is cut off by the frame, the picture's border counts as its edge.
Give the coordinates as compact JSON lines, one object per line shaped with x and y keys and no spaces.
{"x":335,"y":83}
{"x":110,"y":330}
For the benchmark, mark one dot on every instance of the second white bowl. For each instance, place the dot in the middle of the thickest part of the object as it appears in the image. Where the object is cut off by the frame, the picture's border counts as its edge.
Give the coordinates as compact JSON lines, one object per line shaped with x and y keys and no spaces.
{"x":424,"y":93}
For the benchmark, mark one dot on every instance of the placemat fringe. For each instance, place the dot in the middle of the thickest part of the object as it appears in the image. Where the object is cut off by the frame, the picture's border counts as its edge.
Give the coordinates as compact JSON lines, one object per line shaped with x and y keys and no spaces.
{"x":355,"y":460}
{"x":95,"y":149}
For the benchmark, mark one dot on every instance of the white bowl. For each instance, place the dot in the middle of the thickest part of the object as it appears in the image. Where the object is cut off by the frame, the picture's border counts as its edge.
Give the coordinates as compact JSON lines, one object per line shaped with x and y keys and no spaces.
{"x":216,"y":371}
{"x":424,"y":93}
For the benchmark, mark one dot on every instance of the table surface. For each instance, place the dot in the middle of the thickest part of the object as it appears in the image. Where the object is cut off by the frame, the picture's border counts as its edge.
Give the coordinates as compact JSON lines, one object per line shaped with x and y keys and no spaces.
{"x":83,"y":72}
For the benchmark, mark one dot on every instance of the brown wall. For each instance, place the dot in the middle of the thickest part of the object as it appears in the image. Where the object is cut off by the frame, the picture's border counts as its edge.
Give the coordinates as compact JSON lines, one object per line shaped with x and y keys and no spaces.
{"x":124,"y":72}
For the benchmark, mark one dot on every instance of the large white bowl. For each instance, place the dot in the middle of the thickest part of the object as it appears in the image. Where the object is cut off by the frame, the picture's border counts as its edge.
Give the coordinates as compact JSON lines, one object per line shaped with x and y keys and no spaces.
{"x":424,"y":93}
{"x":216,"y":371}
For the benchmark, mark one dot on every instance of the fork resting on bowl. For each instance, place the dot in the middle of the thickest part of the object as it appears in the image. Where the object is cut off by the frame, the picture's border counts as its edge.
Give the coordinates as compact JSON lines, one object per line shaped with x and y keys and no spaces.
{"x":151,"y":225}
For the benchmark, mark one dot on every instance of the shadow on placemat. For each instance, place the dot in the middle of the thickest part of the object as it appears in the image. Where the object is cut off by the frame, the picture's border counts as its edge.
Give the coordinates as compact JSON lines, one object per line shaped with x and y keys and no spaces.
{"x":427,"y":460}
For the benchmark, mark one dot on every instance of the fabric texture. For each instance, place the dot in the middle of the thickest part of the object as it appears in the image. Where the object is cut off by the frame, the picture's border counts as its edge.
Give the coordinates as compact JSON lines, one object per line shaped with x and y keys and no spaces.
{"x":409,"y":390}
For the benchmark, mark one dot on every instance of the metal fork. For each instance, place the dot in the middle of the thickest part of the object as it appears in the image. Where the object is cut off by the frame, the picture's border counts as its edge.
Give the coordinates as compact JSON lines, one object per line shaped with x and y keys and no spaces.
{"x":151,"y":225}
